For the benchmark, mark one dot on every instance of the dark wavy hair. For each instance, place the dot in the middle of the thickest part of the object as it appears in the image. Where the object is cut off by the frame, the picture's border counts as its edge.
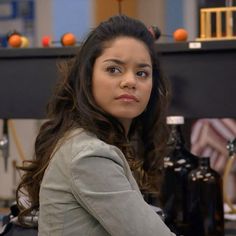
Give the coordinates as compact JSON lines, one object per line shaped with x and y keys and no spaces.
{"x":73,"y":106}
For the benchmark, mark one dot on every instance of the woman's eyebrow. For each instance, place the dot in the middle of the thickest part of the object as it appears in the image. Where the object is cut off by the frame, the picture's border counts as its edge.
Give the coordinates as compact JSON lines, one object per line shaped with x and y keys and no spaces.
{"x":141,"y":65}
{"x":119,"y":62}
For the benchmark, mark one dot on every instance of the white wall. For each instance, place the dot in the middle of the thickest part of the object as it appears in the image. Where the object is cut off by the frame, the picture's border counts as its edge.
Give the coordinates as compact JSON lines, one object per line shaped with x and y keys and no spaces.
{"x":152,"y":12}
{"x":190,"y":18}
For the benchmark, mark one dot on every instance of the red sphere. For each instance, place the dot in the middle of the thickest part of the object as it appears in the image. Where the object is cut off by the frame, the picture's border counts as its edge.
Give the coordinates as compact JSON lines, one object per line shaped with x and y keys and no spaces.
{"x":180,"y":35}
{"x":46,"y":41}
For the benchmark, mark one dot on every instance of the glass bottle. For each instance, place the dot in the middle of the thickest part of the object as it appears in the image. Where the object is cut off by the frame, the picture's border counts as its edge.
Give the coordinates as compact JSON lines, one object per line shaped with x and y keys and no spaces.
{"x":205,"y":200}
{"x":177,"y":165}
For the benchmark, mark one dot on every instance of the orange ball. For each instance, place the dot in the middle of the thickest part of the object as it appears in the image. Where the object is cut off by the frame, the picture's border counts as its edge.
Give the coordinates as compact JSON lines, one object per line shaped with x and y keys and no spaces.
{"x":180,"y":35}
{"x":68,"y":39}
{"x":15,"y":41}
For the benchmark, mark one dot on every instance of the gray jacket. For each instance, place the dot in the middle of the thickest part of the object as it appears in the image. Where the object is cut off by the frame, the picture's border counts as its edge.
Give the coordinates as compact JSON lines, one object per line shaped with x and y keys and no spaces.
{"x":88,"y":190}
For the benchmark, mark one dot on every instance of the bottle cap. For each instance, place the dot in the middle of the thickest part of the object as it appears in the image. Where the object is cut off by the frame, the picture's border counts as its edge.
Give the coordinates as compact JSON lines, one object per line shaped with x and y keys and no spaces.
{"x":175,"y":120}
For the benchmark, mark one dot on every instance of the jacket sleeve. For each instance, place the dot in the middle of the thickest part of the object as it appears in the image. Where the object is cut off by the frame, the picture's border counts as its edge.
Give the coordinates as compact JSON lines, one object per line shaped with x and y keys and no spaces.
{"x":101,"y":186}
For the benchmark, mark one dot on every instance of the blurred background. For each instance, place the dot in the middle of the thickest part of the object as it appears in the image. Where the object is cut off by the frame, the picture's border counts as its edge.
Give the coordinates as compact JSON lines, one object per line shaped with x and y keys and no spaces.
{"x":36,"y":18}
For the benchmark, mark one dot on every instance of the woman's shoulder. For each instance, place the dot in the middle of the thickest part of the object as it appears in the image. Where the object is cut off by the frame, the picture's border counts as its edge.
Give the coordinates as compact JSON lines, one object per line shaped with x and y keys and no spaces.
{"x":80,"y":144}
{"x":79,"y":147}
{"x":80,"y":139}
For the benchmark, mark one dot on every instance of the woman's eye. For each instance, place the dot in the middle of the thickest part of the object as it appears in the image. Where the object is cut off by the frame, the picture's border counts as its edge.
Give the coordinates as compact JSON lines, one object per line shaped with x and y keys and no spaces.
{"x":143,"y":74}
{"x":113,"y":70}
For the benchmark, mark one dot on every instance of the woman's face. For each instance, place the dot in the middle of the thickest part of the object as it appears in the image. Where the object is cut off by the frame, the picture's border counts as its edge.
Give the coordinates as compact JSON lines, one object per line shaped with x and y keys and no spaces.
{"x":122,"y":79}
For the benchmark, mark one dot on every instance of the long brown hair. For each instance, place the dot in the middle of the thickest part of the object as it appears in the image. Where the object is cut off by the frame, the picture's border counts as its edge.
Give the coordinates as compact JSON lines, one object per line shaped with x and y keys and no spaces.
{"x":72,"y":105}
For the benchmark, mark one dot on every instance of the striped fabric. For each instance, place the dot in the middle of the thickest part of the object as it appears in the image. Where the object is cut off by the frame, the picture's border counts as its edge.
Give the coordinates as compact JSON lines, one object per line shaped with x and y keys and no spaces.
{"x":209,"y":137}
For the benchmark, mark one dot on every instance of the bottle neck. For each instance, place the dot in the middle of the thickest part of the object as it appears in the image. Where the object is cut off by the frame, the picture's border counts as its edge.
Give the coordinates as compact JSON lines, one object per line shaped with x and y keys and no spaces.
{"x":176,"y":136}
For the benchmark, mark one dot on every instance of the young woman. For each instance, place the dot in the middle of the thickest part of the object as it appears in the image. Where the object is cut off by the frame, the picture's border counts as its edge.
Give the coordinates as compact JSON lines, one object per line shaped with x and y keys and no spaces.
{"x":106,"y":122}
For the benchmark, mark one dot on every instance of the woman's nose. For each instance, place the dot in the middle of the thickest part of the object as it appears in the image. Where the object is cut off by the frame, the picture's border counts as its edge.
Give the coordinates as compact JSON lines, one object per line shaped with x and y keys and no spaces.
{"x":129,"y":80}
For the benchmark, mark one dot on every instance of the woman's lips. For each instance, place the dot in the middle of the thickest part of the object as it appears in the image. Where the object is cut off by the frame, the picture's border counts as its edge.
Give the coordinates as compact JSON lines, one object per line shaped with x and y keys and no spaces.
{"x":128,"y":97}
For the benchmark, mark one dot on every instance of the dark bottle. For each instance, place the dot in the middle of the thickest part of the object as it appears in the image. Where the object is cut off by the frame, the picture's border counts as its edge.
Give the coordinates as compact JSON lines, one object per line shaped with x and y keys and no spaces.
{"x":177,"y":165}
{"x":205,"y":200}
